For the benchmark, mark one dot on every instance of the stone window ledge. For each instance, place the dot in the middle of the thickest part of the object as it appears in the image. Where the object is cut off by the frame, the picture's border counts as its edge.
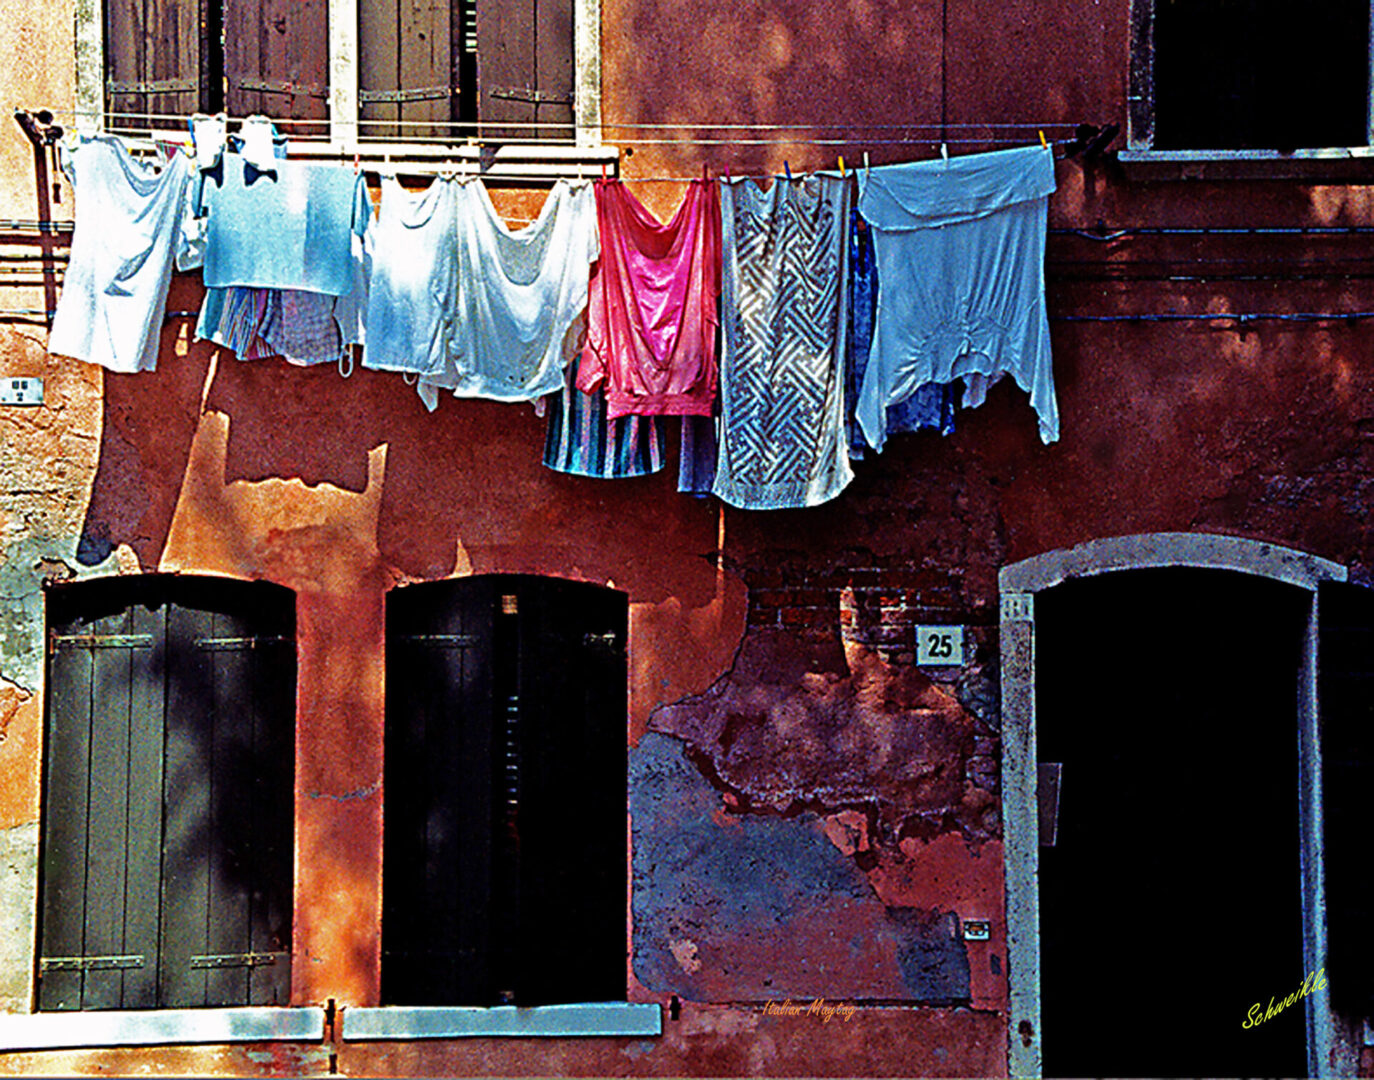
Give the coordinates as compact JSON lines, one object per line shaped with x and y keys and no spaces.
{"x":553,"y":1021}
{"x":1340,"y":164}
{"x":159,"y":1027}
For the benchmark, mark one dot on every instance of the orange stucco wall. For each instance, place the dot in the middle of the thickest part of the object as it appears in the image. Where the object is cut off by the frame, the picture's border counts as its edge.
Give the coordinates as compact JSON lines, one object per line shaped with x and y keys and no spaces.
{"x":341,"y":489}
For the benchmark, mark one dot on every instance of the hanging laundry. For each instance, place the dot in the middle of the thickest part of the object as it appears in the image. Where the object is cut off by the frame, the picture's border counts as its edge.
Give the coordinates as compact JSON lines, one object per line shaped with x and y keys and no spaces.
{"x":961,"y":279}
{"x":932,"y":405}
{"x":128,"y":224}
{"x":233,"y":318}
{"x":696,"y":467}
{"x":651,"y":334}
{"x":300,"y":327}
{"x":581,"y":440}
{"x":412,"y":293}
{"x":519,"y":293}
{"x":287,"y":229}
{"x":782,"y":439}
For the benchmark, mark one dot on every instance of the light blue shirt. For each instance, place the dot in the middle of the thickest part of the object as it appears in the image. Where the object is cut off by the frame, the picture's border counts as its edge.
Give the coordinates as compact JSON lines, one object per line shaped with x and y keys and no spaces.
{"x":961,"y":280}
{"x":287,"y":229}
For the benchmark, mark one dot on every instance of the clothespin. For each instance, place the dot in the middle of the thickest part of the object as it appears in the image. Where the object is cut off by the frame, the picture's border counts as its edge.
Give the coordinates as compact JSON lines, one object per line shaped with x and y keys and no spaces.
{"x":357,"y":164}
{"x":944,"y":152}
{"x":787,"y":168}
{"x":842,"y":173}
{"x":1043,"y":144}
{"x":704,"y":177}
{"x":603,"y":170}
{"x":867,"y":166}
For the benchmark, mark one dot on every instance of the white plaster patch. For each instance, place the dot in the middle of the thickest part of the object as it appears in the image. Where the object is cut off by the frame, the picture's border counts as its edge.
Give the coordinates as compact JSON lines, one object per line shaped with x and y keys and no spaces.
{"x":685,"y":951}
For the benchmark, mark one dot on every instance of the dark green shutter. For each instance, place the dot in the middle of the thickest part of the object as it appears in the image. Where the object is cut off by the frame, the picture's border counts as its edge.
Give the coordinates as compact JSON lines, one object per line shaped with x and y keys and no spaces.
{"x":167,"y":815}
{"x":1345,"y":658}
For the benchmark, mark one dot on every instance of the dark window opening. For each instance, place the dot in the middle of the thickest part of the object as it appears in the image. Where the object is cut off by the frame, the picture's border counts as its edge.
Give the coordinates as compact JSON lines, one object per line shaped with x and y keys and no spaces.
{"x":166,"y":863}
{"x":504,"y":863}
{"x":1260,"y":74}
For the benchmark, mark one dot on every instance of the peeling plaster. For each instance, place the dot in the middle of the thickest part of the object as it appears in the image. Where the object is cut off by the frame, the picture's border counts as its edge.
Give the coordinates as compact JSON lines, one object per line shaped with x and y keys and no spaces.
{"x":769,"y":908}
{"x":802,"y":725}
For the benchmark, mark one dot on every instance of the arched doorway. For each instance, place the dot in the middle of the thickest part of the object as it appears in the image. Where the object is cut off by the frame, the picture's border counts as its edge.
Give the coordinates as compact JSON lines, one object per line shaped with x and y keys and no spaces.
{"x":1148,"y":668}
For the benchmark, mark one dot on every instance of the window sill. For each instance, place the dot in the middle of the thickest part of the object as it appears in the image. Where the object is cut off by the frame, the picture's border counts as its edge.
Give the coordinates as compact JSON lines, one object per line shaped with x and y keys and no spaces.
{"x":159,"y":1027}
{"x":554,"y":1021}
{"x":1348,"y":164}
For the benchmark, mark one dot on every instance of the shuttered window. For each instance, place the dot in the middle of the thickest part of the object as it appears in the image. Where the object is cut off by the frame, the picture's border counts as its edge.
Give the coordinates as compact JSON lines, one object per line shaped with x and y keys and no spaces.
{"x":421,"y":63}
{"x":504,"y":867}
{"x":458,"y":60}
{"x":167,"y":797}
{"x":175,"y":57}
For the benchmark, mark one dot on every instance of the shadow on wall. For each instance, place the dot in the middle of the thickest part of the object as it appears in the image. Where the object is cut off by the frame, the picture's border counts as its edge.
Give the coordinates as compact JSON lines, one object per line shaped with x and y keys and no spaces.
{"x":464,"y":490}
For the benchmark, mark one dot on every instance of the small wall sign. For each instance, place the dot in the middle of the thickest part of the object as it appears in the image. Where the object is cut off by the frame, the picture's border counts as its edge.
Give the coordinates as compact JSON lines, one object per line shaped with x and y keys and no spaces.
{"x":15,"y":390}
{"x":936,"y":645}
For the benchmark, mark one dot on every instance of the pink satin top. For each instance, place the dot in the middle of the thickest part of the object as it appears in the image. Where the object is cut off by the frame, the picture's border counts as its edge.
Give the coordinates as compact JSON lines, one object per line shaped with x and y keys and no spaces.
{"x":651,"y":322}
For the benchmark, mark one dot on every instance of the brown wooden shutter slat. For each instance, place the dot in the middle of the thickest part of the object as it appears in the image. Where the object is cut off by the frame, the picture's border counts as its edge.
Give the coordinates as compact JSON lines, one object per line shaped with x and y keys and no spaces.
{"x":525,"y":65}
{"x":282,"y":44}
{"x":406,"y":53}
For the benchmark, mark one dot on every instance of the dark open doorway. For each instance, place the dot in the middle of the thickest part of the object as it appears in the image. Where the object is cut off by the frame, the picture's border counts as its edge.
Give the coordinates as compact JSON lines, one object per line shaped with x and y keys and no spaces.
{"x":1171,"y":903}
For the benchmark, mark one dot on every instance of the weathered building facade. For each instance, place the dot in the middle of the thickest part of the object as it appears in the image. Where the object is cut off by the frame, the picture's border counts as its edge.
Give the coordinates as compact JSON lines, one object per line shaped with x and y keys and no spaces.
{"x":1162,"y":607}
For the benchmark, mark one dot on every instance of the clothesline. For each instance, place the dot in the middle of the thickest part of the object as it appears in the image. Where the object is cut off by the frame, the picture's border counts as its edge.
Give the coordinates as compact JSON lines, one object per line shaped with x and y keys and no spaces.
{"x":1022,"y":125}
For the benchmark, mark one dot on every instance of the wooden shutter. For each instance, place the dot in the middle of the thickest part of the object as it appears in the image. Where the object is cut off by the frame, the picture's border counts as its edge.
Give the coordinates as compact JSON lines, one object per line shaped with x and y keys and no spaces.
{"x":573,"y":798}
{"x":412,"y":67}
{"x":168,"y":795}
{"x":439,"y":784}
{"x":159,"y":57}
{"x":504,"y":865}
{"x":276,"y":61}
{"x":1345,"y":672}
{"x":525,"y":66}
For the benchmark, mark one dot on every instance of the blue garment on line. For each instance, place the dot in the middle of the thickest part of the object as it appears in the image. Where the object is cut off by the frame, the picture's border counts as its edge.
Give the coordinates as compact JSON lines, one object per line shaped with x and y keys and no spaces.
{"x":960,"y":246}
{"x":287,"y":229}
{"x":932,"y":405}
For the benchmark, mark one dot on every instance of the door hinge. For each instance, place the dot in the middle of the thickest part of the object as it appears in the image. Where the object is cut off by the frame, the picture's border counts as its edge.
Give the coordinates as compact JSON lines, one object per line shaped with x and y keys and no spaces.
{"x":424,"y":93}
{"x":101,"y":641}
{"x":538,"y":97}
{"x":88,"y":963}
{"x":442,"y":641}
{"x":152,"y":86}
{"x":280,"y":86}
{"x":238,"y":644}
{"x":236,"y":960}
